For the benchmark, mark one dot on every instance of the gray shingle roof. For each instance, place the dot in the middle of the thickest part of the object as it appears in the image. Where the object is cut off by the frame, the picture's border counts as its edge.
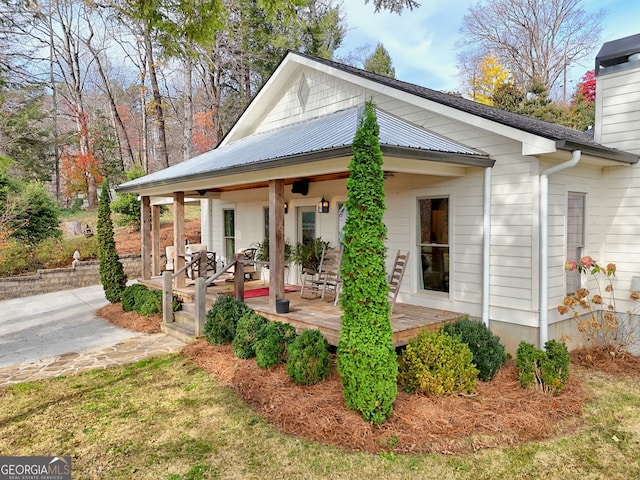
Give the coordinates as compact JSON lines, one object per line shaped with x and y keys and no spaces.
{"x":323,"y":134}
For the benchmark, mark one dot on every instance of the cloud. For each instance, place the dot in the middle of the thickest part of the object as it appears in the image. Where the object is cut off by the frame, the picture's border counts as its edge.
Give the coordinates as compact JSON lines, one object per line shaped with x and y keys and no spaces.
{"x":421,"y":42}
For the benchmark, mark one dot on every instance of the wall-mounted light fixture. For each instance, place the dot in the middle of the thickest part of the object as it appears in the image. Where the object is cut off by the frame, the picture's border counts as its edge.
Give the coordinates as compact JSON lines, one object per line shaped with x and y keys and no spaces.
{"x":323,"y":206}
{"x":286,"y":207}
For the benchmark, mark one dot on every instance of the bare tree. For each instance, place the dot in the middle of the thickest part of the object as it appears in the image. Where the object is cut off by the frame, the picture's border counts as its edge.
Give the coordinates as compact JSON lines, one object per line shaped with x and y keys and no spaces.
{"x":100,"y":58}
{"x":538,"y":40}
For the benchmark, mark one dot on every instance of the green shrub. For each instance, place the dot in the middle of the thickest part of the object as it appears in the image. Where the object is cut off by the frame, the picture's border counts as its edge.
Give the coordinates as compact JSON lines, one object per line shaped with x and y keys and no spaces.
{"x":435,"y":363}
{"x":488,"y":354}
{"x":151,"y":304}
{"x":112,"y":275}
{"x":176,"y":303}
{"x":222,"y":319}
{"x":131,"y":295}
{"x":367,"y":360}
{"x":308,"y":359}
{"x":37,"y":217}
{"x":247,"y":333}
{"x":271,"y":346}
{"x":15,"y":259}
{"x":547,"y":370}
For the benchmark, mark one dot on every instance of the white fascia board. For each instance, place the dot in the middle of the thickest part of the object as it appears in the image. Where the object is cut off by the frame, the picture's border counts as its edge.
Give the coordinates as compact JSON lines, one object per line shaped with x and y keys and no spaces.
{"x":246,"y":124}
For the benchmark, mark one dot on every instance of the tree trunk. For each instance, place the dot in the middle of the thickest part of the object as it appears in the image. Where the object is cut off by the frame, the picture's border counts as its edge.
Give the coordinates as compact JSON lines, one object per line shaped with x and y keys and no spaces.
{"x":187,"y":146}
{"x":161,"y":159}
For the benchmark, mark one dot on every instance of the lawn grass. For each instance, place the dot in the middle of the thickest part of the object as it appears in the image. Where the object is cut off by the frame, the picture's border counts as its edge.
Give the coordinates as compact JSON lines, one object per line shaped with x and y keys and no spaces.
{"x":165,"y":418}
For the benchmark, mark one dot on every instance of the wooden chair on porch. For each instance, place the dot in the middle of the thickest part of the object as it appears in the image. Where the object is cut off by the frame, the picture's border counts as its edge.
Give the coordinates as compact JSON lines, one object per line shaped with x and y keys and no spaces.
{"x":326,"y":278}
{"x":396,"y":275}
{"x":192,"y":252}
{"x":394,"y":279}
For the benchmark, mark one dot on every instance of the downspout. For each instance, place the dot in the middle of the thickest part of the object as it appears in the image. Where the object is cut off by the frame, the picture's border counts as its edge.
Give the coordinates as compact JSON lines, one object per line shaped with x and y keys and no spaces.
{"x":486,"y":245}
{"x":544,"y":241}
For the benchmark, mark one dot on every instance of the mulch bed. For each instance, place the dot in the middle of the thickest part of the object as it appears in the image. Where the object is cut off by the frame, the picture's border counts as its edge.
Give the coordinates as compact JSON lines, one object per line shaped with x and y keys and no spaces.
{"x":502,"y":413}
{"x":130,"y":320}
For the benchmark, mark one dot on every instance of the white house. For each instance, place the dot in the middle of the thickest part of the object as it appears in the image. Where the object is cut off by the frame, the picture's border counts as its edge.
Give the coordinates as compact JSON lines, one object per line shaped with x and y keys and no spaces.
{"x":489,"y":203}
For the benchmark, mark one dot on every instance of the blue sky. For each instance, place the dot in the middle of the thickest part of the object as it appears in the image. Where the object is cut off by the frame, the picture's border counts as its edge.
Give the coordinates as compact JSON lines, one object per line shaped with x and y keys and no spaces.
{"x":422,"y":42}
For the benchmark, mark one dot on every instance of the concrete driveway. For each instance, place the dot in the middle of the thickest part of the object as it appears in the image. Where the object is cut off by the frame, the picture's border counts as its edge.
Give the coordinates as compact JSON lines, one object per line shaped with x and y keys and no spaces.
{"x":48,"y":325}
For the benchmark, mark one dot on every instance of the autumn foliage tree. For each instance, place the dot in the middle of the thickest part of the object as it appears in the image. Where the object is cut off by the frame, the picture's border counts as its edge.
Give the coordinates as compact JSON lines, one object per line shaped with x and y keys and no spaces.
{"x":204,"y":132}
{"x":490,"y":77}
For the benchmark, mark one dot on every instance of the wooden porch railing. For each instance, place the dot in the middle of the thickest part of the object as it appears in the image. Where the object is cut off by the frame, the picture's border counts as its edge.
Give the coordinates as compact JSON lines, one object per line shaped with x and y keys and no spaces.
{"x":201,"y":284}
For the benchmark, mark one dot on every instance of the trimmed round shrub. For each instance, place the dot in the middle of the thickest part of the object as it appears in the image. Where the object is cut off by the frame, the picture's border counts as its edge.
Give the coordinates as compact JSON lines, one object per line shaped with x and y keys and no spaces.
{"x":488,"y":353}
{"x":247,"y":333}
{"x":271,"y":347}
{"x":308,"y":359}
{"x":548,"y":370}
{"x":131,"y":294}
{"x":222,"y":319}
{"x":151,"y":305}
{"x":435,"y":363}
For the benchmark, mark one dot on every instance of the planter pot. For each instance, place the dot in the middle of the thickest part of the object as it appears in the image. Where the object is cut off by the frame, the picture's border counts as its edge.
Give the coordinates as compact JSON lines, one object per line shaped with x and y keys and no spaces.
{"x":282,"y":306}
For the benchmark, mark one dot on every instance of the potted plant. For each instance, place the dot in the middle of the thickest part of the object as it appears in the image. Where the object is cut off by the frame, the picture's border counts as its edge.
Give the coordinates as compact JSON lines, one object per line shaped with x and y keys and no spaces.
{"x":263,"y":251}
{"x":309,"y":254}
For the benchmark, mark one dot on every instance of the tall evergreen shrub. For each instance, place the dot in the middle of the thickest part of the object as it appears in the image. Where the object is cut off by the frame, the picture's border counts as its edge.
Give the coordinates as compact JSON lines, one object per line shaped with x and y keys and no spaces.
{"x":367,"y":361}
{"x":112,"y":275}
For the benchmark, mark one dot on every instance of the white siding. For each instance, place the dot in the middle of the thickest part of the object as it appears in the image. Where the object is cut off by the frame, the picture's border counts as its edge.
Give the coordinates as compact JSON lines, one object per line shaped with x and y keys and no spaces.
{"x":326,"y":95}
{"x":618,"y":109}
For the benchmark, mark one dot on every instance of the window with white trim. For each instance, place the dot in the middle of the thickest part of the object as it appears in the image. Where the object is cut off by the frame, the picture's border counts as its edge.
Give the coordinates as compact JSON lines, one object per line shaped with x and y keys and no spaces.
{"x":575,"y":237}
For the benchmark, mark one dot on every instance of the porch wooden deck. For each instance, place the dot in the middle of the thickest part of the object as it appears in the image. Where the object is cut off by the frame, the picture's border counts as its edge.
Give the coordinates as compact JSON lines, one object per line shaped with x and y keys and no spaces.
{"x":406,"y":321}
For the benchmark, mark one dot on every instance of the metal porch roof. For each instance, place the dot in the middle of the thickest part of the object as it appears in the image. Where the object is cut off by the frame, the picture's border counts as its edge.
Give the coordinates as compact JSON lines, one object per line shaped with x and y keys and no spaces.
{"x":323,"y":134}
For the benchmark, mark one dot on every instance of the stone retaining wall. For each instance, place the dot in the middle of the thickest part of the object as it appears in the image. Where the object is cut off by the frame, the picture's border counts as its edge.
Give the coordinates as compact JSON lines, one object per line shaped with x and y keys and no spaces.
{"x":84,"y":274}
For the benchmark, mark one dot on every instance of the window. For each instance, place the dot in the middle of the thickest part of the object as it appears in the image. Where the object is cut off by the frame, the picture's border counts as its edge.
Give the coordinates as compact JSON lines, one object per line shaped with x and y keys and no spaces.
{"x":342,"y":219}
{"x":575,"y":237}
{"x":229,"y":234}
{"x":266,"y":222}
{"x":433,"y":241}
{"x":306,"y":224}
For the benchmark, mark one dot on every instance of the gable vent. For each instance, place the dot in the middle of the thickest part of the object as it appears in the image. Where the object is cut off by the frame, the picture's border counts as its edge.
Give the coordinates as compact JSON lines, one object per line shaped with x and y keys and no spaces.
{"x":303,"y":92}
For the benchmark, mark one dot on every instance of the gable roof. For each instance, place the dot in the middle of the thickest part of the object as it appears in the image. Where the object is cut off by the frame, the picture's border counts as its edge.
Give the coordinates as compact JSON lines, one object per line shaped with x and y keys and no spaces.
{"x":323,"y":137}
{"x":565,"y":137}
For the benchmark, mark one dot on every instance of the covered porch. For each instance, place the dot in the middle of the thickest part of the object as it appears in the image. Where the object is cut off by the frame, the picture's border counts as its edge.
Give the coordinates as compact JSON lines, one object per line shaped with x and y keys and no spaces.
{"x":314,"y":313}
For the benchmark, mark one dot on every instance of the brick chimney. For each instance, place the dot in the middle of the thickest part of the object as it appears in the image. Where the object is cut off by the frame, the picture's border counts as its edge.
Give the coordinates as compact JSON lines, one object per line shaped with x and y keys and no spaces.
{"x":617,"y":122}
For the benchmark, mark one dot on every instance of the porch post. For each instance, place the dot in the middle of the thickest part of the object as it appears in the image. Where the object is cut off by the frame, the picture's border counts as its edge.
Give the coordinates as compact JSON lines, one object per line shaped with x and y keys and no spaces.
{"x":145,"y":230}
{"x":276,"y":242}
{"x":155,"y":241}
{"x":178,"y":236}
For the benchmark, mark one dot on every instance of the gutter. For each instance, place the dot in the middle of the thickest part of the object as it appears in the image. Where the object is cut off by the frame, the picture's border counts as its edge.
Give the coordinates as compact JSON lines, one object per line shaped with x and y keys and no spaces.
{"x":486,"y":245}
{"x":544,"y":240}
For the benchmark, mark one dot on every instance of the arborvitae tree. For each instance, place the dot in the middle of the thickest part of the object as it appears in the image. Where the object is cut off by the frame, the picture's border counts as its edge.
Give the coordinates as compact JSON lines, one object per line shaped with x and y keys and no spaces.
{"x":112,"y":275}
{"x":380,"y":62}
{"x":367,"y":361}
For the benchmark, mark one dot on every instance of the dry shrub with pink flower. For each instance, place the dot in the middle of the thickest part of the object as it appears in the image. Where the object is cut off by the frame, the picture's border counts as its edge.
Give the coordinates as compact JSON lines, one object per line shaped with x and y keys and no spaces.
{"x":600,"y":323}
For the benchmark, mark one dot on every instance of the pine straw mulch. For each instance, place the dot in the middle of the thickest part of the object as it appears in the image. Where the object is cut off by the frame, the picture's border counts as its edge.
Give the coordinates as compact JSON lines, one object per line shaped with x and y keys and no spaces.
{"x":501,"y":413}
{"x":128,"y":240}
{"x":600,"y":359}
{"x":130,"y":320}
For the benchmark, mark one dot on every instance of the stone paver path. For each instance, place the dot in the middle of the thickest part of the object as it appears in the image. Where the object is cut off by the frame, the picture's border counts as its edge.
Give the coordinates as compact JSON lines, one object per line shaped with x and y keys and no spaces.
{"x":124,"y":352}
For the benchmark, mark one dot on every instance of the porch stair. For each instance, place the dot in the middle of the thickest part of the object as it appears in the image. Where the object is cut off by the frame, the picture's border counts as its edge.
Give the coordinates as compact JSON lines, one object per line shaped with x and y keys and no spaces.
{"x":183,"y":325}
